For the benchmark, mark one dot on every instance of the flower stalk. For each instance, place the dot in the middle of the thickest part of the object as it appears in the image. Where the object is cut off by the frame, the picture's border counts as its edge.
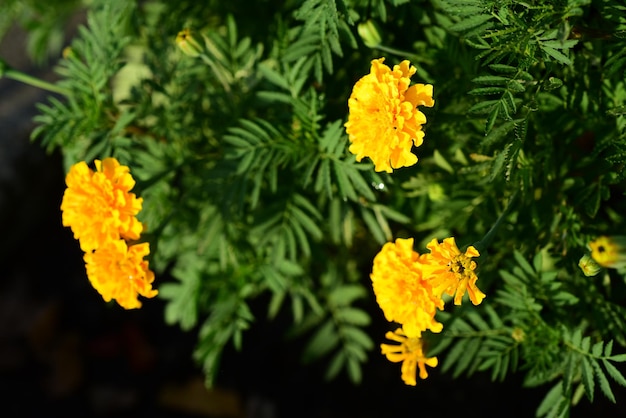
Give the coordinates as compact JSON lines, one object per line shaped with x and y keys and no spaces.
{"x":13,"y":74}
{"x":482,"y":245}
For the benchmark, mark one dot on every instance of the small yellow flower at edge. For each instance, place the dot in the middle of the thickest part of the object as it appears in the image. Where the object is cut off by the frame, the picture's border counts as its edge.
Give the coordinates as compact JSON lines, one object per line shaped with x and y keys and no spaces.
{"x":411,"y":353}
{"x":609,"y":251}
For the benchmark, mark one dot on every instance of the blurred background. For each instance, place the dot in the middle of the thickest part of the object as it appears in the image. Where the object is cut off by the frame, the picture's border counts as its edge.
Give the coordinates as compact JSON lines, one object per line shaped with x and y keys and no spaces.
{"x":64,"y":351}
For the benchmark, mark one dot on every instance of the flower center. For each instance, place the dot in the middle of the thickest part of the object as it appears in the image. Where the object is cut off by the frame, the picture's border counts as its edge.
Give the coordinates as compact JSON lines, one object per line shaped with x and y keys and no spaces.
{"x":459,"y":265}
{"x":412,"y":345}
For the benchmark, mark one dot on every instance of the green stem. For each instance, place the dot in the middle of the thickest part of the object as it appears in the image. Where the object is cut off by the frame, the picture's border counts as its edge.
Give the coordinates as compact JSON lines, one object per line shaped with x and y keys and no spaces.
{"x":475,"y":334}
{"x":405,"y":54}
{"x":216,"y":71}
{"x":482,"y":245}
{"x":393,"y":51}
{"x":8,"y":72}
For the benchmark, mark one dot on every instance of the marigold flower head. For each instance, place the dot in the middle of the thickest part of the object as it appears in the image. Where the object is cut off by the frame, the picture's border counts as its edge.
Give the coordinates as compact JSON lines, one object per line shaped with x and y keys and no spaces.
{"x":451,"y":271}
{"x":98,"y":206}
{"x":118,"y":271}
{"x":609,"y":251}
{"x":401,"y":291}
{"x":384,"y":122}
{"x":411,"y":353}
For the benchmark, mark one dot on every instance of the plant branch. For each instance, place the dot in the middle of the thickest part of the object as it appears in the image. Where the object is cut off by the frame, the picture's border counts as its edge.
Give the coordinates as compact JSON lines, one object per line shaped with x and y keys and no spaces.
{"x":8,"y":72}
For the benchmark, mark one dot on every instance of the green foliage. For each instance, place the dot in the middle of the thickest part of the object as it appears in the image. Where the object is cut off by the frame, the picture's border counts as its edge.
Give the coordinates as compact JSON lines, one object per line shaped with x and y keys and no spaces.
{"x":582,"y":371}
{"x":479,"y":344}
{"x":530,"y":326}
{"x":250,"y":192}
{"x":339,"y":330}
{"x":319,"y":37}
{"x":80,"y":124}
{"x":43,"y":22}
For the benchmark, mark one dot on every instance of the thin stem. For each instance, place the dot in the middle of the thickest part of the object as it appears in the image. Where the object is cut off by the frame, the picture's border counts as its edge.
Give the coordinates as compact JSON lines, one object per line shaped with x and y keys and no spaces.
{"x":393,"y":51}
{"x":216,"y":71}
{"x":579,"y":350}
{"x":405,"y":54}
{"x":482,"y":245}
{"x":474,"y":334}
{"x":13,"y":74}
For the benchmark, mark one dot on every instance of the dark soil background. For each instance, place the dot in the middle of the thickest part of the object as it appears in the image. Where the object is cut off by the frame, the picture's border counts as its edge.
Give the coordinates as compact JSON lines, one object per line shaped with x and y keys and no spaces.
{"x":64,"y":352}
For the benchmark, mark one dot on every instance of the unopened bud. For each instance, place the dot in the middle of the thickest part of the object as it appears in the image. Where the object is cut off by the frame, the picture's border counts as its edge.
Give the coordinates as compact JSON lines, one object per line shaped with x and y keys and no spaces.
{"x":67,"y":52}
{"x":368,"y":31}
{"x":589,"y":266}
{"x":436,"y":193}
{"x":518,"y":334}
{"x":188,"y":44}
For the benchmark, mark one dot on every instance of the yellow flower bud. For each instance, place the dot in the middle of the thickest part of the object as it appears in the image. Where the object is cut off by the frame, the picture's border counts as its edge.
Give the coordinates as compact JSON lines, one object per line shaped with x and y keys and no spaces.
{"x":609,"y":251}
{"x":188,"y":44}
{"x":436,"y":193}
{"x":67,"y":52}
{"x":518,"y":335}
{"x":368,"y":31}
{"x":589,"y":266}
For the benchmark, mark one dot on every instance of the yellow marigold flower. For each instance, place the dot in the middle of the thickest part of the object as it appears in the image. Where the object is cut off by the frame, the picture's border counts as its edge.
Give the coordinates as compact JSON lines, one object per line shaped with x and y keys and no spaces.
{"x":401,"y":292}
{"x":609,"y":251}
{"x":384,"y":122}
{"x":119,"y":272}
{"x":411,"y":353}
{"x":453,"y":272}
{"x":98,"y":206}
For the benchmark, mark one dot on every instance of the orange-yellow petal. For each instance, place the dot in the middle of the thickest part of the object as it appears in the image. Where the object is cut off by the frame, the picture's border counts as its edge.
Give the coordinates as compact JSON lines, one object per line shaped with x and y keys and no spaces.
{"x":118,"y":271}
{"x":609,"y":251}
{"x":410,"y":352}
{"x":451,"y":271}
{"x":384,"y":123}
{"x":401,"y":292}
{"x":98,"y":206}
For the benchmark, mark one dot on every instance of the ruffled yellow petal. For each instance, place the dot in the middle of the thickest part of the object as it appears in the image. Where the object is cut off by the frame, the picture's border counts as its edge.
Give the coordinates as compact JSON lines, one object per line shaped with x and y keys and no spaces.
{"x":101,"y":212}
{"x":119,"y":272}
{"x":98,"y":206}
{"x":411,"y":353}
{"x":401,"y":292}
{"x":384,"y":123}
{"x":452,"y":272}
{"x":431,"y":362}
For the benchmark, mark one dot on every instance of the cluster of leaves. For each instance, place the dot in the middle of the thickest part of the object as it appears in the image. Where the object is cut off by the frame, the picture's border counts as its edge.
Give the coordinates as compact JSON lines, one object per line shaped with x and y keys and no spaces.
{"x":238,"y":166}
{"x":43,"y":22}
{"x":530,"y":326}
{"x":249,"y":190}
